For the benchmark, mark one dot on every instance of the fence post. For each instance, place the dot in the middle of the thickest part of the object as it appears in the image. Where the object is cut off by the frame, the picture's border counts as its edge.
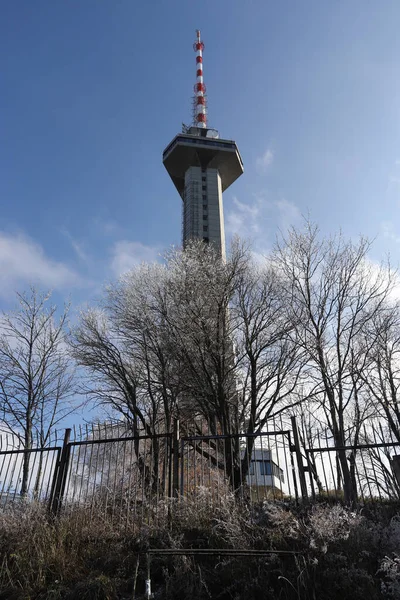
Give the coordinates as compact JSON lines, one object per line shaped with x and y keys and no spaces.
{"x":175,"y":466}
{"x":299,"y":458}
{"x":60,"y":475}
{"x":396,"y":467}
{"x":182,"y":466}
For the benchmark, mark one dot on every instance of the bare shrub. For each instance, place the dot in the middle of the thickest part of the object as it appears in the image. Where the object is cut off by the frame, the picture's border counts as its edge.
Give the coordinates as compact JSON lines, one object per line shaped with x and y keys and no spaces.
{"x":327,"y":525}
{"x":390,"y":569}
{"x":86,"y":554}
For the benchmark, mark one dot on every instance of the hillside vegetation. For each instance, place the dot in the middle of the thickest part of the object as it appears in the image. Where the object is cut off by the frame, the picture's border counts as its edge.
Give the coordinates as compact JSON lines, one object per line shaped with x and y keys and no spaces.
{"x":337,"y":553}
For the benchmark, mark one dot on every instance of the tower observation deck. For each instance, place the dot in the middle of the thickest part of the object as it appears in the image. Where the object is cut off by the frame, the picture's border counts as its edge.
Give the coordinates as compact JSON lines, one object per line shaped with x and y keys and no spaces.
{"x":202,"y":166}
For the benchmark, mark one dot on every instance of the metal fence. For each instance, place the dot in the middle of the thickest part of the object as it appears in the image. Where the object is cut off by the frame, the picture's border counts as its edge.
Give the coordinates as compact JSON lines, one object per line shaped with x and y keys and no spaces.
{"x":123,"y":476}
{"x":27,"y":473}
{"x":258,"y":466}
{"x":371,"y":464}
{"x":131,"y":478}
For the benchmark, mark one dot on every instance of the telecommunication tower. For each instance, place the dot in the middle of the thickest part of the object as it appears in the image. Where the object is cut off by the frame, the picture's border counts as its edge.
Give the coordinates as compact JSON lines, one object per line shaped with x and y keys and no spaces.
{"x":202,"y":166}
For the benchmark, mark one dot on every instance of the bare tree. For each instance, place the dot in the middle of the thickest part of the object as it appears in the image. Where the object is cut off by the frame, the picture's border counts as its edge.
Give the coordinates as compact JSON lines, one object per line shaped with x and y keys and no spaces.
{"x":36,"y":378}
{"x":196,"y":336}
{"x":309,"y":436}
{"x":269,"y":367}
{"x":202,"y":332}
{"x":376,"y":470}
{"x":137,"y":306}
{"x":125,"y":353}
{"x":335,"y":292}
{"x":381,"y":374}
{"x":112,"y":376}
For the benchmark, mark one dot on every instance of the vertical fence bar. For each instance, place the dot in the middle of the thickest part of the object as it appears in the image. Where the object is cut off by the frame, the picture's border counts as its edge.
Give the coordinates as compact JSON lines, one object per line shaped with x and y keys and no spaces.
{"x":300,"y":465}
{"x":45,"y":495}
{"x":378,"y":453}
{"x":182,"y":467}
{"x":395,"y":464}
{"x":293,"y":469}
{"x":60,"y":475}
{"x":175,"y":450}
{"x":285,"y":448}
{"x":327,"y":485}
{"x":311,"y":462}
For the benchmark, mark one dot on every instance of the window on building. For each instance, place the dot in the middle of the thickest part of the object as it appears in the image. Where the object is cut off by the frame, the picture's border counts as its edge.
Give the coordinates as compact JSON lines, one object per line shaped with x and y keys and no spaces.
{"x":204,"y":196}
{"x":265,"y":467}
{"x":205,"y":207}
{"x":205,"y":217}
{"x":204,"y":188}
{"x":205,"y":228}
{"x":204,"y":178}
{"x":278,"y":472}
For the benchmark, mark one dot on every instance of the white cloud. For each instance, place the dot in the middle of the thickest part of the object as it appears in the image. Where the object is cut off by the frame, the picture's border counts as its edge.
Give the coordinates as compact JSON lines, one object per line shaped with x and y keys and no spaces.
{"x":260,"y":219}
{"x":289,"y":214}
{"x":107,"y":227}
{"x":389,"y":233}
{"x":24,"y":262}
{"x":77,"y":247}
{"x":263,"y":162}
{"x":377,"y":271}
{"x":125,"y":255}
{"x":243,"y":220}
{"x":394,"y":178}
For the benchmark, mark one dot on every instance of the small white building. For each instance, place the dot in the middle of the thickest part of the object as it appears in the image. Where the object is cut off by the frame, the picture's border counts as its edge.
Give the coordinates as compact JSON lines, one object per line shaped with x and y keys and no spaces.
{"x":264,"y":472}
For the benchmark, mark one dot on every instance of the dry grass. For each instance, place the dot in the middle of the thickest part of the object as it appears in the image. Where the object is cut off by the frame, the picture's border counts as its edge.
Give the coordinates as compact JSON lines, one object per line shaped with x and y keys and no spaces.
{"x":87,"y":555}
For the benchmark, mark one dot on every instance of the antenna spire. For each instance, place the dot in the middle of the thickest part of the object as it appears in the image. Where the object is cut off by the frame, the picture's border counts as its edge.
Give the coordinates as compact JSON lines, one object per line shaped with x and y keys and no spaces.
{"x":200,"y":99}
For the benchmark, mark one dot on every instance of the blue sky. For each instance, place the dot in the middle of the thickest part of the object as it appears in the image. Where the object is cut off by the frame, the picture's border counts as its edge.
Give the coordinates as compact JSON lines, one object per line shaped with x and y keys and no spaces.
{"x":93,"y":91}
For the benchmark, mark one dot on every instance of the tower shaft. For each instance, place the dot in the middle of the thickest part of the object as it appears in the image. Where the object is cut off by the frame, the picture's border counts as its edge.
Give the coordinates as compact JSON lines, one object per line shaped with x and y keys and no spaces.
{"x":203,"y":216}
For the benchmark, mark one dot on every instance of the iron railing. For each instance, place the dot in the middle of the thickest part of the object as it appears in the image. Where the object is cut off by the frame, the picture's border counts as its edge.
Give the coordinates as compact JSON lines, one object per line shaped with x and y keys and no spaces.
{"x":134,"y":477}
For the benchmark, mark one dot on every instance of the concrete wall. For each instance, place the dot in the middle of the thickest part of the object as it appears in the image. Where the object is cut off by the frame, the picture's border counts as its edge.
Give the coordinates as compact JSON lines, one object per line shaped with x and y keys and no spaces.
{"x":203,"y":216}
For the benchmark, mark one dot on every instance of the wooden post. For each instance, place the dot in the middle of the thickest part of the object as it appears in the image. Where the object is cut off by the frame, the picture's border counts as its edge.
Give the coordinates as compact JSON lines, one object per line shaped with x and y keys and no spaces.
{"x":60,"y":475}
{"x":175,"y":466}
{"x":299,"y":458}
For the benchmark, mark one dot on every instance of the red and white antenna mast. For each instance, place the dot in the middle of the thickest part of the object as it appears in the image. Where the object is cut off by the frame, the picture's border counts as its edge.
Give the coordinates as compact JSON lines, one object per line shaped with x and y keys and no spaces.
{"x":200,"y":99}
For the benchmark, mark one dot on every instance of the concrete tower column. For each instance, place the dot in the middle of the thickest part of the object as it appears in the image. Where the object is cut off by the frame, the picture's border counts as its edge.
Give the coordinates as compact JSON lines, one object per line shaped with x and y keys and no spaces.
{"x":203,"y":216}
